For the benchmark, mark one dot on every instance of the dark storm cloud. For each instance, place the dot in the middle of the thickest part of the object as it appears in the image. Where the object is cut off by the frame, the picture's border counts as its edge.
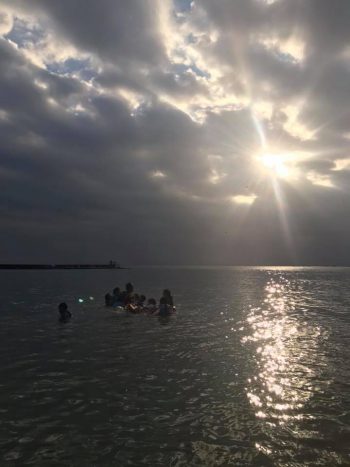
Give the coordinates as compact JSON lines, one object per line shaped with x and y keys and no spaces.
{"x":129,"y":129}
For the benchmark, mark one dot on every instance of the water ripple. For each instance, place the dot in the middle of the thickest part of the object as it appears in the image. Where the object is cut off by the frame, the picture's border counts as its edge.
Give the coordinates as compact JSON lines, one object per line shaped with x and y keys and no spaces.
{"x":253,"y":371}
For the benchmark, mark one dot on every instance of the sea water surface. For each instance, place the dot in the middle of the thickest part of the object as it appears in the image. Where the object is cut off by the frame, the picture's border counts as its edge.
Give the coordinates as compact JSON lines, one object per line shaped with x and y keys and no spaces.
{"x":253,"y":370}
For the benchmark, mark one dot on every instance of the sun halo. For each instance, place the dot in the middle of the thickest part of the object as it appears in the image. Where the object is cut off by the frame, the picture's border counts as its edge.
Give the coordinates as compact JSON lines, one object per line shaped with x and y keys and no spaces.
{"x":275,"y":164}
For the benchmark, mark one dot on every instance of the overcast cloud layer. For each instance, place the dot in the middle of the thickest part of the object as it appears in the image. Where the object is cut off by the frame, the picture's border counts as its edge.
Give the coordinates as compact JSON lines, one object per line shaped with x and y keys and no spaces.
{"x":137,"y":130}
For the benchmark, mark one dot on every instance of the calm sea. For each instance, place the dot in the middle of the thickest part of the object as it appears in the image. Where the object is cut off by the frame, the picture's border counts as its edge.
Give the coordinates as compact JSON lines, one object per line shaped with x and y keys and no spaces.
{"x":254,"y":369}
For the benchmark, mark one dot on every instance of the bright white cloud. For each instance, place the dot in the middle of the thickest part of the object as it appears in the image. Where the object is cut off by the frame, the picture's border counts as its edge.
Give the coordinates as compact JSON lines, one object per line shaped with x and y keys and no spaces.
{"x":319,"y":179}
{"x":6,"y":22}
{"x":292,"y":48}
{"x":341,"y":164}
{"x":158,"y":174}
{"x":243,"y":199}
{"x":293,"y":125}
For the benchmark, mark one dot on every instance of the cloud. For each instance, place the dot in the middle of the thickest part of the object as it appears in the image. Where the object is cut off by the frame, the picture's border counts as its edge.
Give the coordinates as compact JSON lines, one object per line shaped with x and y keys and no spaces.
{"x":6,"y":22}
{"x":243,"y":199}
{"x":133,"y":130}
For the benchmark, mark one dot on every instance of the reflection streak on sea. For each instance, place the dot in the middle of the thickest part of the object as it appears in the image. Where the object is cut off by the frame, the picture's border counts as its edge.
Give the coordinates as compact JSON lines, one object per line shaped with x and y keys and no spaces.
{"x":286,"y":359}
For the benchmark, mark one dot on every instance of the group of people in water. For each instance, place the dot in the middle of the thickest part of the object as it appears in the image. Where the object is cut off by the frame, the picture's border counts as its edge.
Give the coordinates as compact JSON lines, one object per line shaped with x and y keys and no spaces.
{"x":131,"y":302}
{"x":135,"y":303}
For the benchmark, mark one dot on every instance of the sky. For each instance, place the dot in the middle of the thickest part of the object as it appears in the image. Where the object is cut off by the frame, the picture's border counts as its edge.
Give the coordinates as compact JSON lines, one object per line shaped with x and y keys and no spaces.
{"x":175,"y":132}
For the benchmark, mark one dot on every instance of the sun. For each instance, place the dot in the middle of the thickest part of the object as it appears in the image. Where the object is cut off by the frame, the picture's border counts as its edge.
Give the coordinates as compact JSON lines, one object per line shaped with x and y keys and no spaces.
{"x":275,"y":163}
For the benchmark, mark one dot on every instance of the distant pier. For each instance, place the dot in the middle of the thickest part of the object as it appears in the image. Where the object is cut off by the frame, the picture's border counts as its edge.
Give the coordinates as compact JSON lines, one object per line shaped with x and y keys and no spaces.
{"x":110,"y":265}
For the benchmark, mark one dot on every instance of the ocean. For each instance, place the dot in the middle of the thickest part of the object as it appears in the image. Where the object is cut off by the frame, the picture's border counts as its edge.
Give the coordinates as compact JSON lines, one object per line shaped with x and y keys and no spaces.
{"x":252,"y":370}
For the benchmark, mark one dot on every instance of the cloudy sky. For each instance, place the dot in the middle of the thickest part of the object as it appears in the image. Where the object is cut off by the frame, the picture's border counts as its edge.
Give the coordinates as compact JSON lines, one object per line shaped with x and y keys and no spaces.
{"x":175,"y":132}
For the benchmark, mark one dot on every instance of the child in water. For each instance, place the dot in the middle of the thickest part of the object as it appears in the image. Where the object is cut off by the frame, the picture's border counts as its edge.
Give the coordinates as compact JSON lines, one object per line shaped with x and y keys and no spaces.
{"x":65,"y":314}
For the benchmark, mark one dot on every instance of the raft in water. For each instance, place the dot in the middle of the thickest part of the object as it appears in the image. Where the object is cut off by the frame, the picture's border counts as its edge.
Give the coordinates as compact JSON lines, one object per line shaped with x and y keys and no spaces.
{"x":167,"y":311}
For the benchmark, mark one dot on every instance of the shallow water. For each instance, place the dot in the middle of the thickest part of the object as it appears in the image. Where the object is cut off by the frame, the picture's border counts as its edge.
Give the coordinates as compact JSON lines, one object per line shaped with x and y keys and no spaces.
{"x":252,"y":371}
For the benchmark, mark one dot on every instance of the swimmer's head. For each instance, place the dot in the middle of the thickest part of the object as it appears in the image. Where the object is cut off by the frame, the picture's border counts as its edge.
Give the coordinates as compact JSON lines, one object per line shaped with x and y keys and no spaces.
{"x":62,"y":307}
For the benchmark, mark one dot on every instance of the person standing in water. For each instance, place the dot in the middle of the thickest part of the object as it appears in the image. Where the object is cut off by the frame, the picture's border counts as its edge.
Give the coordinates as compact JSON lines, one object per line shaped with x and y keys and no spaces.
{"x":65,"y":314}
{"x":127,"y":294}
{"x":108,"y":299}
{"x":116,"y":296}
{"x":168,"y":299}
{"x":164,"y":308}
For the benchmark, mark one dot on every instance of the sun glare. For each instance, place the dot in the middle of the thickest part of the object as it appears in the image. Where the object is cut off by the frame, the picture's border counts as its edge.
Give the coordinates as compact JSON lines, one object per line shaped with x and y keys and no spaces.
{"x":275,"y":163}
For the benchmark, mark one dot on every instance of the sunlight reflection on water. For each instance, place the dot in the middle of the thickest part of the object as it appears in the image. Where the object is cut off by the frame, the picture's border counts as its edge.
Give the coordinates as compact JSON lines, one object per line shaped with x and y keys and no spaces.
{"x":287,"y":355}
